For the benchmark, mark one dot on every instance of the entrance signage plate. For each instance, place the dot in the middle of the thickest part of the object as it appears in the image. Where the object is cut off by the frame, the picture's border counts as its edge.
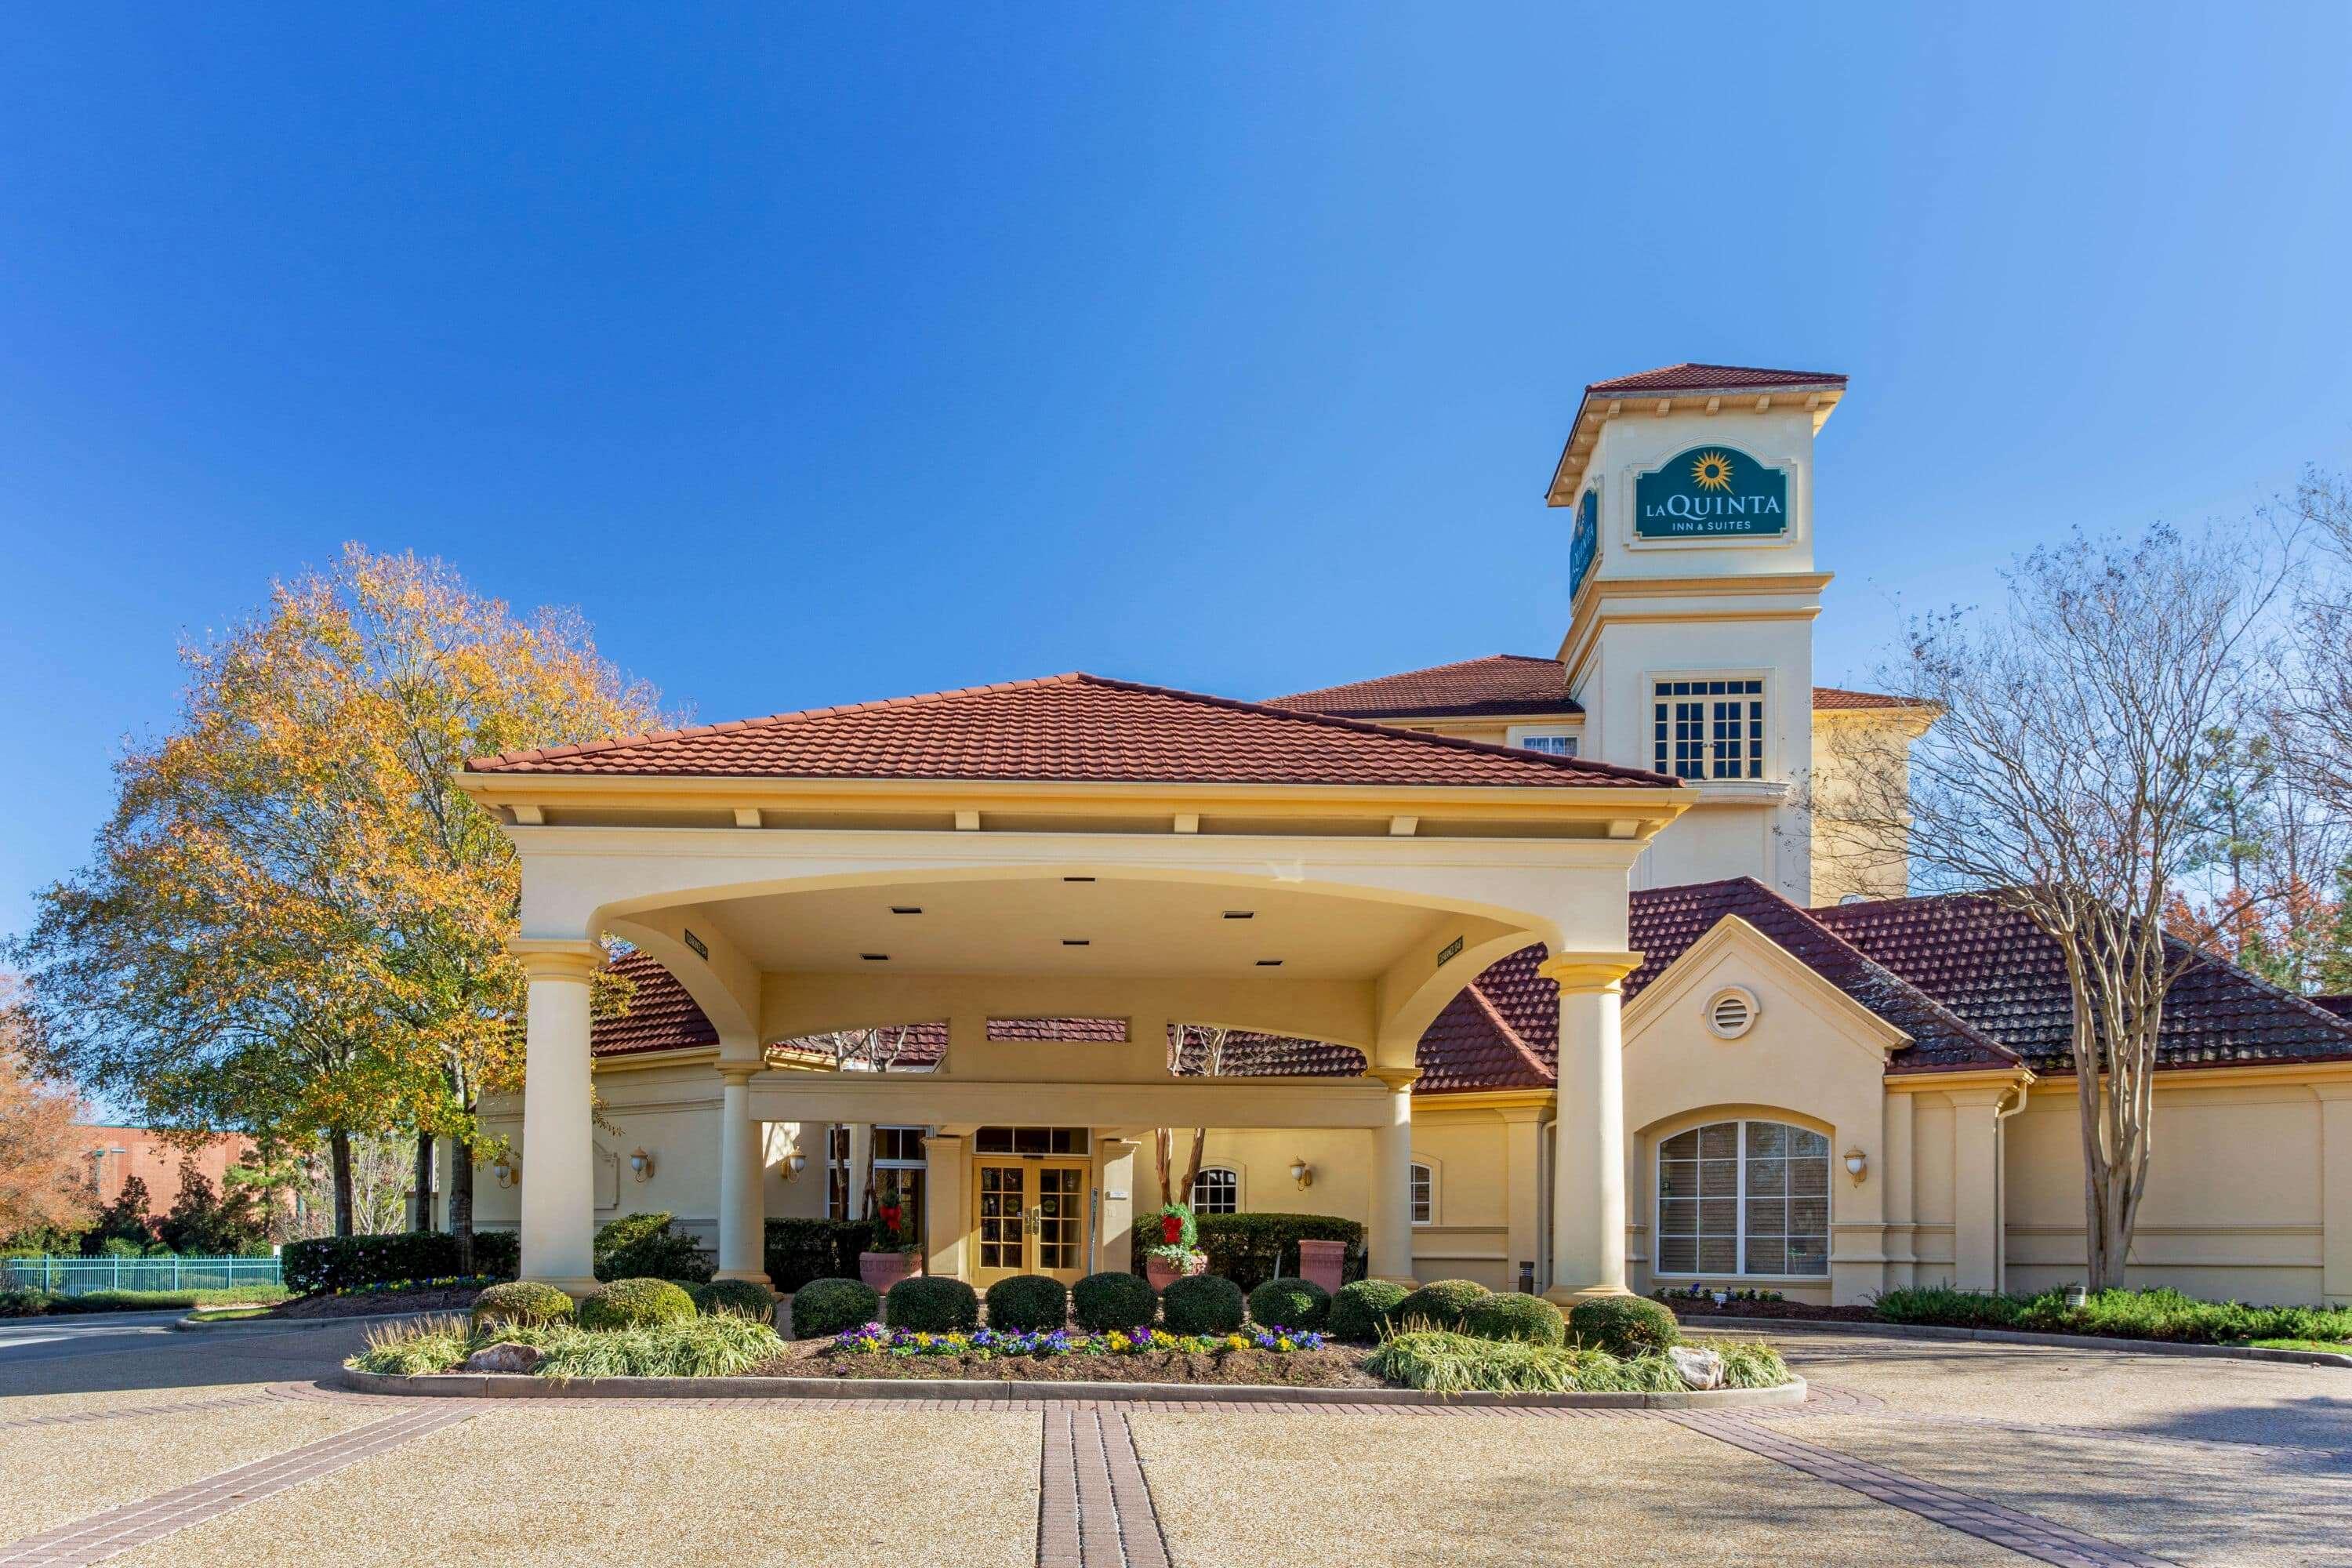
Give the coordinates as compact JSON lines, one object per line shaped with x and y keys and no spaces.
{"x":1711,"y":492}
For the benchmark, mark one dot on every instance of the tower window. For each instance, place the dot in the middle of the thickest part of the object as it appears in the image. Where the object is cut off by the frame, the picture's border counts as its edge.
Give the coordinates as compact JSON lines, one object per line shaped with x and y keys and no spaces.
{"x":1708,"y":729}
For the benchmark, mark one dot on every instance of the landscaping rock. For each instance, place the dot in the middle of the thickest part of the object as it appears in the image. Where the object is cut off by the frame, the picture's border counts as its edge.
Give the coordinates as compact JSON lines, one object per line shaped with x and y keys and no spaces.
{"x":504,"y":1356}
{"x":1699,"y":1369}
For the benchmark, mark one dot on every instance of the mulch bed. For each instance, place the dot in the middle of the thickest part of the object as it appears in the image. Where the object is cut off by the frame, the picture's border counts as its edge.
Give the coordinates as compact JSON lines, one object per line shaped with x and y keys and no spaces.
{"x":1331,"y":1367}
{"x":442,"y":1298}
{"x":1806,"y":1312}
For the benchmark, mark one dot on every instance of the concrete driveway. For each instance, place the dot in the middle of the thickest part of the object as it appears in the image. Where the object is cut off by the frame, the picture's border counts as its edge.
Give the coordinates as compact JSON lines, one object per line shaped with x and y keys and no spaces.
{"x":131,"y":1444}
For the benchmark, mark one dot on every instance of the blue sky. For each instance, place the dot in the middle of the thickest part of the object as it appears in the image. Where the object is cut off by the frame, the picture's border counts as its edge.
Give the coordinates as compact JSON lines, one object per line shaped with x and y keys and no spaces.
{"x":826,"y":354}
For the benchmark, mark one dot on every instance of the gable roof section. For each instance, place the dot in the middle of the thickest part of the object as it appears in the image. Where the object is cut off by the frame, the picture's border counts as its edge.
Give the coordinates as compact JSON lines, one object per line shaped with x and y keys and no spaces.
{"x":1993,"y":967}
{"x":1691,"y":377}
{"x":1070,"y":727}
{"x":1500,"y":684}
{"x":661,"y":1016}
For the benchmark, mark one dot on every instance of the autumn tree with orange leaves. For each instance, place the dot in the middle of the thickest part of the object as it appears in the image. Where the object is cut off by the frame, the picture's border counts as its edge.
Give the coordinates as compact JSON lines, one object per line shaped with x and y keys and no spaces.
{"x":294,"y":923}
{"x":44,"y":1185}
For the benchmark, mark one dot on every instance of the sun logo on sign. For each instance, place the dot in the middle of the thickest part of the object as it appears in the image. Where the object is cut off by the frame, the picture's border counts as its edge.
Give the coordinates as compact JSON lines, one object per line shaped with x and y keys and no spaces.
{"x":1713,"y":471}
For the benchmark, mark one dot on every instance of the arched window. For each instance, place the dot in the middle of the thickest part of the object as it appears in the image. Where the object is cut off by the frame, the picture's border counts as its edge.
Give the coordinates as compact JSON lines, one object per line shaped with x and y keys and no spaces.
{"x":1424,"y":1195}
{"x":1216,"y":1190}
{"x":1743,"y":1197}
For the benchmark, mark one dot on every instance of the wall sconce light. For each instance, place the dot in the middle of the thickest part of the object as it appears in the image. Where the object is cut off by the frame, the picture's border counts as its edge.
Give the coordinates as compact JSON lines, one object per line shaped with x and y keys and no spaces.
{"x":1856,"y":1162}
{"x":1303,"y":1173}
{"x":794,"y":1163}
{"x":641,"y":1165}
{"x":504,"y":1171}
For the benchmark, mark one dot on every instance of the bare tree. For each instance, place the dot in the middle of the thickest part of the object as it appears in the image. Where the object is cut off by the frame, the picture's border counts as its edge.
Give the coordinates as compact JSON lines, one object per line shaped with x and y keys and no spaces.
{"x":1206,"y":1044}
{"x":2071,"y":778}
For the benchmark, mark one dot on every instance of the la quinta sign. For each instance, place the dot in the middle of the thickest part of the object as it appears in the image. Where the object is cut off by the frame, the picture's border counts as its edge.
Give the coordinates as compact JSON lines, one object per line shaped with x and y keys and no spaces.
{"x":1711,"y":492}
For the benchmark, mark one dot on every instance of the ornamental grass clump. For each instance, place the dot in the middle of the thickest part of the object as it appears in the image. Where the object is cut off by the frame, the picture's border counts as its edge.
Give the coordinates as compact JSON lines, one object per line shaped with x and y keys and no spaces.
{"x":527,"y":1302}
{"x":1028,"y":1302}
{"x":1105,"y":1301}
{"x":722,"y":1346}
{"x":1290,"y":1304}
{"x":636,"y":1303}
{"x":1440,"y":1362}
{"x":991,"y":1344}
{"x":1203,"y":1304}
{"x":1365,"y":1309}
{"x":413,"y":1349}
{"x":824,"y":1307}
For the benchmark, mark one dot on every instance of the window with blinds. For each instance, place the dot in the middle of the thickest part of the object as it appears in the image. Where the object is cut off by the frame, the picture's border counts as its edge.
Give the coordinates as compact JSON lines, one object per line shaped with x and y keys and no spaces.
{"x":1743,"y":1197}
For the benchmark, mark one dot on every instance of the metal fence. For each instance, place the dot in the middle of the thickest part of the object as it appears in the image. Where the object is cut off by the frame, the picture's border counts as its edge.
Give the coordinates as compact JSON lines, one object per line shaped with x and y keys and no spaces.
{"x":79,"y":1276}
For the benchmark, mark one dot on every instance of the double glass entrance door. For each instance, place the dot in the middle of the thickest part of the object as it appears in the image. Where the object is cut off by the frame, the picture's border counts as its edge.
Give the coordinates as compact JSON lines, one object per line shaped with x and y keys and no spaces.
{"x":1031,"y":1219}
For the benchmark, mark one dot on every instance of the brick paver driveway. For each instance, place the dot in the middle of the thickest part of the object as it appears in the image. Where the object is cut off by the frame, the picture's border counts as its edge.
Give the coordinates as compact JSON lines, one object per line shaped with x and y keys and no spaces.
{"x":157,"y":1448}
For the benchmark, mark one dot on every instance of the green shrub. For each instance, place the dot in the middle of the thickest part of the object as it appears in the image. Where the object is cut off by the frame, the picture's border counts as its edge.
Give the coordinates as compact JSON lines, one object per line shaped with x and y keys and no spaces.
{"x":643,"y":1247}
{"x":1102,"y":1302}
{"x":800,"y":1250}
{"x":1444,"y":1304}
{"x":15,"y":1303}
{"x":1365,"y":1309}
{"x":1251,"y":1249}
{"x":1201,"y":1304}
{"x":1944,"y":1305}
{"x":328,"y":1263}
{"x":1529,"y":1319}
{"x":1623,"y":1325}
{"x":930,"y":1305}
{"x":634,"y":1303}
{"x":1290,"y":1304}
{"x":522,"y":1301}
{"x":735,"y":1299}
{"x":1026,"y":1303}
{"x":822,"y":1308}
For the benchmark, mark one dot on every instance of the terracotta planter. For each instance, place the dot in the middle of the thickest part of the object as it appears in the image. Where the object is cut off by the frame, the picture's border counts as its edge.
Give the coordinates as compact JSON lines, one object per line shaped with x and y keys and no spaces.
{"x":880,"y":1270}
{"x":1323,"y":1263}
{"x":1162,"y":1273}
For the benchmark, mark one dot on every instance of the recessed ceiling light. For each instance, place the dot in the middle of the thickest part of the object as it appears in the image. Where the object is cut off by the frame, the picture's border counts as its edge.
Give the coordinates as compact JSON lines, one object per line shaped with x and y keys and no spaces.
{"x":875,"y":957}
{"x":1269,"y":964}
{"x":1241,"y":914}
{"x":906,"y":909}
{"x":1078,"y":878}
{"x":1077,"y":941}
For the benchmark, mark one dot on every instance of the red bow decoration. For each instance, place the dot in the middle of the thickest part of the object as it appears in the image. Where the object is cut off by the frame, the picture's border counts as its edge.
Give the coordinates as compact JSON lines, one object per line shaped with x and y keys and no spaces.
{"x":1172,"y":1229}
{"x":891,"y":1216}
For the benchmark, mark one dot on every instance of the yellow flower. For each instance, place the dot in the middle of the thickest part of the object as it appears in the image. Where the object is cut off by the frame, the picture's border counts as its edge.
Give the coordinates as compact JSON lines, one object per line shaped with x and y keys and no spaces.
{"x":1711,"y":471}
{"x":1237,"y":1342}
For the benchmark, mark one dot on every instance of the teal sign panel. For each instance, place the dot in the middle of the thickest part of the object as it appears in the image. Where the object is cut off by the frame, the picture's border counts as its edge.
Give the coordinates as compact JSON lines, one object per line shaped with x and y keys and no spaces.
{"x":1584,"y":543}
{"x":1711,"y":492}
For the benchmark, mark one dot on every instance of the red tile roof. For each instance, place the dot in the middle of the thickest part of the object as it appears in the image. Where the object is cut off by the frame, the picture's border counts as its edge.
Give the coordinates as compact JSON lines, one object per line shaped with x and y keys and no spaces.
{"x":1689,"y":378}
{"x":1070,"y":727}
{"x":660,"y":1015}
{"x":1499,"y":684}
{"x":1993,"y":967}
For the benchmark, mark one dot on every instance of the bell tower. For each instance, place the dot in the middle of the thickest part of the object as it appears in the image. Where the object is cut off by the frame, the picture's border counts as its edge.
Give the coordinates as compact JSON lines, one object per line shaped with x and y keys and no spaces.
{"x":1692,"y":597}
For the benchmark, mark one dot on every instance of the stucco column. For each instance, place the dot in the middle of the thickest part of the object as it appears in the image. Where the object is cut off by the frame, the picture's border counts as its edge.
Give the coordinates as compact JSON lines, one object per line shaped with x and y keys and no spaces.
{"x":1389,"y":1238}
{"x":945,"y":1219}
{"x":861,"y":1137}
{"x":559,"y":1187}
{"x":742,"y":1198}
{"x":1522,"y":1179}
{"x":2335,"y":1190}
{"x":1587,"y":1211}
{"x":1115,"y":1177}
{"x":1976,"y":1228}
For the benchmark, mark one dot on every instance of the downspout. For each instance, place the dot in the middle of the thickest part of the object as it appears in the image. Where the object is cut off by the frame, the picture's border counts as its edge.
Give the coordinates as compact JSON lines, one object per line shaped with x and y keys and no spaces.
{"x":2000,"y":1187}
{"x":1546,"y":1129}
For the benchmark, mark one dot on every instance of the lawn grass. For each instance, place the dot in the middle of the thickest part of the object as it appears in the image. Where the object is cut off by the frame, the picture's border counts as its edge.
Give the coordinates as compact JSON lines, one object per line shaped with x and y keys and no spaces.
{"x":2332,"y":1346}
{"x":228,"y":1315}
{"x":51,"y":1303}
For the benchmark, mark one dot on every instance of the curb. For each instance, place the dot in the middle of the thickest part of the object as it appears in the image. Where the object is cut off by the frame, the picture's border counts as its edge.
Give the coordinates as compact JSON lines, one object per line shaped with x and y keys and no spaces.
{"x":282,"y":1325}
{"x":2018,"y":1337}
{"x":519,"y":1386}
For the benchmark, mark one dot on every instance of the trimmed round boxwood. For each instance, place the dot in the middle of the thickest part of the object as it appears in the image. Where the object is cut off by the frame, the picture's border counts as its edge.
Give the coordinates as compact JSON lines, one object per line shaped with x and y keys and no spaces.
{"x":1028,"y":1302}
{"x":824,"y":1308}
{"x":1289,"y":1304}
{"x":1102,"y":1302}
{"x":636,"y":1303}
{"x":1364,"y":1307}
{"x":1201,"y":1304}
{"x":1623,"y":1325}
{"x":1442,"y":1304}
{"x":930,"y":1306}
{"x":735,"y":1299}
{"x":525,"y":1301}
{"x":1528,"y":1318}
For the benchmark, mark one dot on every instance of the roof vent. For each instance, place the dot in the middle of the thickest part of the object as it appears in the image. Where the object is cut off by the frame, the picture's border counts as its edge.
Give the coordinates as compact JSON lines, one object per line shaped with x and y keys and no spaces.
{"x":1731,"y":1012}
